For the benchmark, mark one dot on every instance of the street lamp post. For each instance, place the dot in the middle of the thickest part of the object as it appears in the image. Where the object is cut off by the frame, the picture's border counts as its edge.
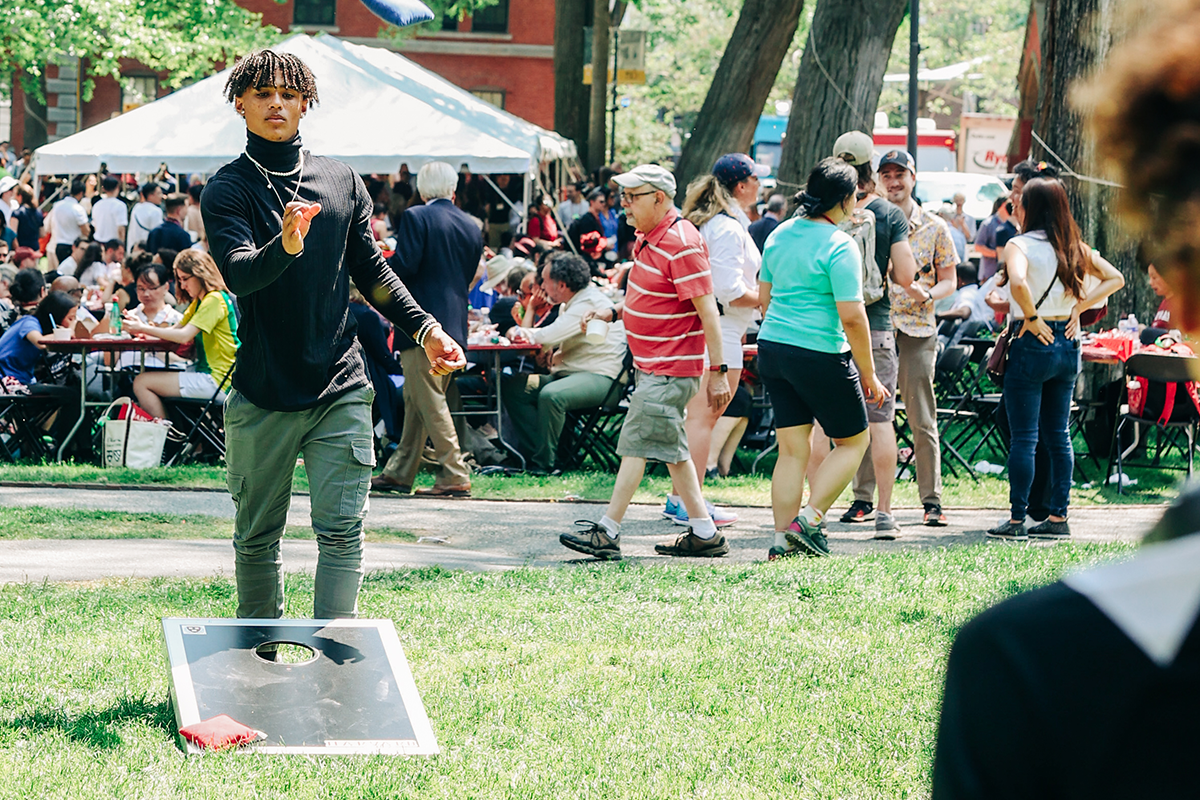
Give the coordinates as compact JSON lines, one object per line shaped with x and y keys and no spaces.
{"x":914,"y":54}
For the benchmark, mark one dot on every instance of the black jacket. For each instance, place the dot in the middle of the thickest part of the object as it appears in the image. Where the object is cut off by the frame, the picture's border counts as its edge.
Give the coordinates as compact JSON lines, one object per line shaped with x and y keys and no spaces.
{"x":438,"y":247}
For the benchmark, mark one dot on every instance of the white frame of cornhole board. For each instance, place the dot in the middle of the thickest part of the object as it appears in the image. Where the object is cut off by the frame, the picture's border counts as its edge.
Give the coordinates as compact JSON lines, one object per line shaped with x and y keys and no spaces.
{"x":187,"y":712}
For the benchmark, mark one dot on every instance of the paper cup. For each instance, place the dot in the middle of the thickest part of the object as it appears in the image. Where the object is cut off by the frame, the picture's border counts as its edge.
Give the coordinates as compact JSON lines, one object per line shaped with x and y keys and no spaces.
{"x":62,"y":333}
{"x":597,"y":331}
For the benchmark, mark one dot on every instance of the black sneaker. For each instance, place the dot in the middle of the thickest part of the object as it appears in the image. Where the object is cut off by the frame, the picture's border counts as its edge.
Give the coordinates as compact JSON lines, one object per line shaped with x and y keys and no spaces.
{"x":1050,"y":530}
{"x":592,"y":539}
{"x":859,"y":511}
{"x":934,"y":517}
{"x":1012,"y":531}
{"x":777,"y":552}
{"x":808,"y":538}
{"x":689,"y":544}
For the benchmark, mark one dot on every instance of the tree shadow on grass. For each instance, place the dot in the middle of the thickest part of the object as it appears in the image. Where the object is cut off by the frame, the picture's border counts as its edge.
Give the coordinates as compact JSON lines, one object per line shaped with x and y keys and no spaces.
{"x":98,"y":729}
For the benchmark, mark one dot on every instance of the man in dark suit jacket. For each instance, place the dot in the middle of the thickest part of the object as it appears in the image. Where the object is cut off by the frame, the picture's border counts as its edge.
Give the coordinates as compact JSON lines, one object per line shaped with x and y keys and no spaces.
{"x":761,"y":228}
{"x":171,"y":233}
{"x":438,"y":247}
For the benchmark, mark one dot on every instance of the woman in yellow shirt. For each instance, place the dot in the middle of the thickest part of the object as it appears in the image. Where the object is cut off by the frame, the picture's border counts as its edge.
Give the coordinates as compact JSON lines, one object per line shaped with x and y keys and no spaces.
{"x":211,"y":315}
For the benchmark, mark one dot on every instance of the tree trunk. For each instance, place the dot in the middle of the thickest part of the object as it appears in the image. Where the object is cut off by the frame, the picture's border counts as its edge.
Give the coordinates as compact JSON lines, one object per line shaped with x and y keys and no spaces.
{"x":840,"y":78}
{"x":1076,"y":39}
{"x":571,"y":96}
{"x":601,"y":56}
{"x":744,"y":78}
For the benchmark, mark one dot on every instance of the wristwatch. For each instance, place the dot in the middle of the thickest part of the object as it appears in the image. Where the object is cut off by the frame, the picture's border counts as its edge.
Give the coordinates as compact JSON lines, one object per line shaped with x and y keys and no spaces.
{"x":721,"y":368}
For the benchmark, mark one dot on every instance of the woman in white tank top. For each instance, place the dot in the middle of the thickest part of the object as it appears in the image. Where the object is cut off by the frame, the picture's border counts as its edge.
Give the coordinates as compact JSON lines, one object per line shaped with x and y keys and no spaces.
{"x":1048,"y":267}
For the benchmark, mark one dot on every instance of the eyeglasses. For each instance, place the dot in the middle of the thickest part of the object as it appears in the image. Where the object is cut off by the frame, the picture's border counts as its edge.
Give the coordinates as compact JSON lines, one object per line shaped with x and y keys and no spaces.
{"x":142,"y":288}
{"x":628,"y":197}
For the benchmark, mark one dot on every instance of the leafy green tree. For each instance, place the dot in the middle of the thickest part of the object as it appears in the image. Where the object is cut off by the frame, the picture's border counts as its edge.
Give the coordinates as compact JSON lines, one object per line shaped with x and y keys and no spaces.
{"x":184,"y":38}
{"x":953,"y":31}
{"x":686,"y":42}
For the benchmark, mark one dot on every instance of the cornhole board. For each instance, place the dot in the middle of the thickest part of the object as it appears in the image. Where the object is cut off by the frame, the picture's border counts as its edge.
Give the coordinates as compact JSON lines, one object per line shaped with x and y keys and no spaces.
{"x":354,"y":695}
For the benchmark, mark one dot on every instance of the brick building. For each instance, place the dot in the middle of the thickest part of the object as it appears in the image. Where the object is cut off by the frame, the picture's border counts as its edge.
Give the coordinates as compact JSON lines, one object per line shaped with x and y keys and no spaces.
{"x":504,"y":55}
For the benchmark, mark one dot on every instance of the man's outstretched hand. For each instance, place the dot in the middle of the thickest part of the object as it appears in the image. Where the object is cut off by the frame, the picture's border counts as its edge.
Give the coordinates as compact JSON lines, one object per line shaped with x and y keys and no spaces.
{"x":443,"y":353}
{"x":297,"y":216}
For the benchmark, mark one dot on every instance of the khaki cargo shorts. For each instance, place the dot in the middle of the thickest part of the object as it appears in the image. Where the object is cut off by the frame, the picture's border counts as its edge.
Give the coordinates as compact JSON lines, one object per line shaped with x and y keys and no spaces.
{"x":653,"y":426}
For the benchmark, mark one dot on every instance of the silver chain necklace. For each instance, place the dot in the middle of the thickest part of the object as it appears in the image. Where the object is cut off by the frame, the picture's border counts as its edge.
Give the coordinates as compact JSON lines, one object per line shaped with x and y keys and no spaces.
{"x":266,"y":173}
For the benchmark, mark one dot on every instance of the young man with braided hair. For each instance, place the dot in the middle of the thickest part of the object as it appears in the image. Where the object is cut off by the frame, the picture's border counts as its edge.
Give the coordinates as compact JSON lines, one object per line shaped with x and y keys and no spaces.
{"x":288,"y":230}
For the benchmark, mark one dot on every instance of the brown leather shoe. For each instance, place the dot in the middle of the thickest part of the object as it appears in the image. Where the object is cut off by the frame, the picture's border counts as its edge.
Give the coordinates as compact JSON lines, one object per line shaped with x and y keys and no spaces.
{"x":457,"y":490}
{"x":382,"y":483}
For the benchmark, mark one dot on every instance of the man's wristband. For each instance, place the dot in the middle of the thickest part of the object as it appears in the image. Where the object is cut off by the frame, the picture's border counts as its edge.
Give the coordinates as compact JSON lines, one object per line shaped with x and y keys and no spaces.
{"x":423,"y":333}
{"x":616,"y":314}
{"x":1032,"y":318}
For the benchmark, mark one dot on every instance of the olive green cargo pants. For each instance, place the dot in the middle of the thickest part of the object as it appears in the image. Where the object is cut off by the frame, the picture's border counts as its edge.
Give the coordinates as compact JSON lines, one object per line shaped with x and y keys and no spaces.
{"x":261,"y":448}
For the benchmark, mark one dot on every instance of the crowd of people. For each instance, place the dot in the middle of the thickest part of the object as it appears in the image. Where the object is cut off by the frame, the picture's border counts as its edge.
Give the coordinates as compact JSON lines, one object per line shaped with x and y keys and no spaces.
{"x":113,"y":264}
{"x":470,"y":257}
{"x":636,"y":254}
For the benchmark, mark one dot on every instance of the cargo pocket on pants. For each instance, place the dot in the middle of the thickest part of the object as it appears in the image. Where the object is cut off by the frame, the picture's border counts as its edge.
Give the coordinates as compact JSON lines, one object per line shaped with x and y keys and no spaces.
{"x":358,"y":476}
{"x":662,"y":424}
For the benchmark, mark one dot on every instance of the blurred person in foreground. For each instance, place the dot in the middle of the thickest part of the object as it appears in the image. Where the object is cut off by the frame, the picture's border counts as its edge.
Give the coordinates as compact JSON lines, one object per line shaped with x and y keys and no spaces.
{"x":1094,"y":678}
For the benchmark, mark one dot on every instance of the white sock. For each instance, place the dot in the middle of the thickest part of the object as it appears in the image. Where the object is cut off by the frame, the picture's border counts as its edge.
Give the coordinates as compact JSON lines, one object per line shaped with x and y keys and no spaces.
{"x":612,"y":526}
{"x":781,"y":539}
{"x":674,"y":498}
{"x":811,"y":515}
{"x":704,"y":528}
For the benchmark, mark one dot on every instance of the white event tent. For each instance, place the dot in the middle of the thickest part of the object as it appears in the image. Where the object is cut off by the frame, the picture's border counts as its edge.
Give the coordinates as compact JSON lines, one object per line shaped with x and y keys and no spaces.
{"x":377,"y":109}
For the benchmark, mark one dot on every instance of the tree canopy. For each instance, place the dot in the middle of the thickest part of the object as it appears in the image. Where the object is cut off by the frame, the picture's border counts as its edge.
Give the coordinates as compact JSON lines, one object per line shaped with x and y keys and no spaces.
{"x":183,"y":38}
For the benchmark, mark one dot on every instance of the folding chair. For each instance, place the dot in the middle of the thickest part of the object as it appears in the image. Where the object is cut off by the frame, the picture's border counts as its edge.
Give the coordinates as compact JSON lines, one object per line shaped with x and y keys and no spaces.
{"x":23,"y":422}
{"x":201,"y":422}
{"x":592,"y":434}
{"x":1166,"y":369}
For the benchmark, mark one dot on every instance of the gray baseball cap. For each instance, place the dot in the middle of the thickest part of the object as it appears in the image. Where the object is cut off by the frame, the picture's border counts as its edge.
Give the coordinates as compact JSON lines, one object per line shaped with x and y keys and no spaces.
{"x":647,"y":175}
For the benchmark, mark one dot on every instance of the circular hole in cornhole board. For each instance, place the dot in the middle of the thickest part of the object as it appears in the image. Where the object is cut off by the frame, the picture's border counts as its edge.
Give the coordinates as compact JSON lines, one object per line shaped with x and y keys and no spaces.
{"x":290,"y":653}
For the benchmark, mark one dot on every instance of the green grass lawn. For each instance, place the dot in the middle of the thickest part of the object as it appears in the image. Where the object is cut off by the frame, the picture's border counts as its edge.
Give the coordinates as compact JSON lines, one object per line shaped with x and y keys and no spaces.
{"x":33,"y":522}
{"x":1154,"y":485}
{"x":797,"y":679}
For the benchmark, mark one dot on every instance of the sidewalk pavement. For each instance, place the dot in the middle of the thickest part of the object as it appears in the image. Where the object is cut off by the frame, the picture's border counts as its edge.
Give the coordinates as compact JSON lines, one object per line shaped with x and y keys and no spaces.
{"x":467,"y":534}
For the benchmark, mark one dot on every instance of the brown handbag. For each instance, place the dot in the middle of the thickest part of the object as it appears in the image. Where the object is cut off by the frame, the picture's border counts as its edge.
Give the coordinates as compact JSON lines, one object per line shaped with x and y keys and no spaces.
{"x":998,"y":359}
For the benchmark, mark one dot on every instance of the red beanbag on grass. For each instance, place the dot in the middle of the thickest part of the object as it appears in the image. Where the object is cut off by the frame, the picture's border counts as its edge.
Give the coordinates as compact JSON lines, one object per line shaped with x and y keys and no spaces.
{"x":220,"y":732}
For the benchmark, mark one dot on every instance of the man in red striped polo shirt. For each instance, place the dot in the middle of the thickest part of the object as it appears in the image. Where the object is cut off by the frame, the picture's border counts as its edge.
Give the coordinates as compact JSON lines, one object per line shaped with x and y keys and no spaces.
{"x":670,"y":315}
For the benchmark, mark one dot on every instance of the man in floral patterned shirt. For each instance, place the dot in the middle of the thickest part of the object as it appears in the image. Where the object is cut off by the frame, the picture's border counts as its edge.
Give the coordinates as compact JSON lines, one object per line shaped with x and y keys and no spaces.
{"x":916,"y":328}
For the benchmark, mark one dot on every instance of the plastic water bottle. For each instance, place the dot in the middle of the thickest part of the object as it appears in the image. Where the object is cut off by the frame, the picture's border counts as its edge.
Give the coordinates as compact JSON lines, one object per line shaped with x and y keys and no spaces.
{"x":116,"y":317}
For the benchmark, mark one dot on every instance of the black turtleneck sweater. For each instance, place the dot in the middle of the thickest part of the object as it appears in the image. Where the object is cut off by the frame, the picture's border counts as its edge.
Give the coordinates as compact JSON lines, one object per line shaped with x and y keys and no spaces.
{"x":298,"y":337}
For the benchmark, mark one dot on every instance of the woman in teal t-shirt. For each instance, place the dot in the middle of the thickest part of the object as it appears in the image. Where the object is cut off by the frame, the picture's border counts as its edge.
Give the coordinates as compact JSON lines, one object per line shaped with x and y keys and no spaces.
{"x":814,"y":332}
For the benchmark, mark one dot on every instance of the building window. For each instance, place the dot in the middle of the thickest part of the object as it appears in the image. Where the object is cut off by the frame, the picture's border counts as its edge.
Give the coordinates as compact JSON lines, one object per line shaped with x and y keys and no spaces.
{"x":493,"y":96}
{"x":315,"y":12}
{"x":137,"y":90}
{"x":449,"y":21}
{"x":493,"y":19}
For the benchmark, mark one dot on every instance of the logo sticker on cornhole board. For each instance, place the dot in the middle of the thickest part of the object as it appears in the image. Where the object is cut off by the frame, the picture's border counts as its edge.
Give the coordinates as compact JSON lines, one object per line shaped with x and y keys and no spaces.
{"x":349,"y":692}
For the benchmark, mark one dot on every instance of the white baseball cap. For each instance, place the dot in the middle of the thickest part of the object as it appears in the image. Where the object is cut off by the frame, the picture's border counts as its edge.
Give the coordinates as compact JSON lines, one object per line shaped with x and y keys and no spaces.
{"x":855,"y":147}
{"x":647,"y":175}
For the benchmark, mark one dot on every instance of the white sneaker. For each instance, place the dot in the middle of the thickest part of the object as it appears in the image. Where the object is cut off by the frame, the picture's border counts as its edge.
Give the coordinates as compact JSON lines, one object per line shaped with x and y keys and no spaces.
{"x":886,"y":527}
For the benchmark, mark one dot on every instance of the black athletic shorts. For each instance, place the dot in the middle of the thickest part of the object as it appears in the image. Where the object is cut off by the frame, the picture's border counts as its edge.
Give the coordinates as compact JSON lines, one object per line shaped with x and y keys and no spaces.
{"x":807,"y":384}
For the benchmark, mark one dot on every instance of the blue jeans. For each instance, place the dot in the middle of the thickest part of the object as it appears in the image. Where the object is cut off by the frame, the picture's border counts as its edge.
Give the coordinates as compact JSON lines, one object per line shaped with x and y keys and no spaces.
{"x":1038,"y":384}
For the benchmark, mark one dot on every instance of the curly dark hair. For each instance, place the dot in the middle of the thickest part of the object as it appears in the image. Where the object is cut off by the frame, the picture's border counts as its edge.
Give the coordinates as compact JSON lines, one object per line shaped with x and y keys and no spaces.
{"x":571,"y":270}
{"x":260,"y":68}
